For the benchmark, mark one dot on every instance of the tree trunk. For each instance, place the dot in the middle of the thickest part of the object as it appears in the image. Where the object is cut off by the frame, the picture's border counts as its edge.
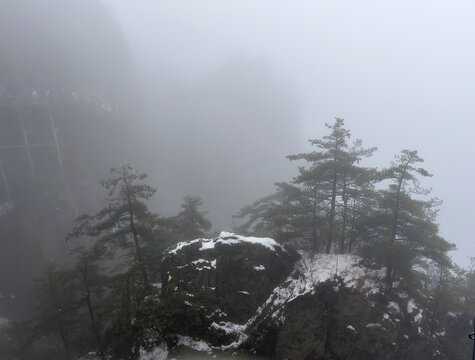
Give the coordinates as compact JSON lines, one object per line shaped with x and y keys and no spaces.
{"x":95,"y":328}
{"x":394,"y":228}
{"x":138,"y":252}
{"x":352,"y":230}
{"x":314,"y":222}
{"x":331,"y":233}
{"x":436,"y":304}
{"x":345,"y":213}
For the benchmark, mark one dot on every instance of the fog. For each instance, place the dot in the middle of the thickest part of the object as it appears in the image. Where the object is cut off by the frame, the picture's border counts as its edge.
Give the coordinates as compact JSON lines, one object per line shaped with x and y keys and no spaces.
{"x":102,"y":102}
{"x":400,"y":73}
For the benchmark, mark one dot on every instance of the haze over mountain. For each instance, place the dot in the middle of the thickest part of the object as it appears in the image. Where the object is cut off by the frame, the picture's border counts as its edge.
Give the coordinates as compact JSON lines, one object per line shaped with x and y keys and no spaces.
{"x":400,"y":73}
{"x":244,"y":238}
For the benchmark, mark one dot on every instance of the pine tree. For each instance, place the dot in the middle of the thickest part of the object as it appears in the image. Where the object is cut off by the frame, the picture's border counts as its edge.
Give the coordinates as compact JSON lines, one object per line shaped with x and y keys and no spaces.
{"x":125,"y":223}
{"x":284,"y":215}
{"x":91,"y":288}
{"x":321,"y":179}
{"x":323,"y":203}
{"x":127,"y":228}
{"x":67,"y":298}
{"x":357,"y":187}
{"x":191,"y":222}
{"x":57,"y":307}
{"x":409,"y":223}
{"x":327,"y":180}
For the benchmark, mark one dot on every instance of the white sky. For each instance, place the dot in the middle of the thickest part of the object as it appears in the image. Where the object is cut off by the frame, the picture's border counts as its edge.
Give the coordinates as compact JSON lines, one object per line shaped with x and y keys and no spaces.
{"x":401,"y":73}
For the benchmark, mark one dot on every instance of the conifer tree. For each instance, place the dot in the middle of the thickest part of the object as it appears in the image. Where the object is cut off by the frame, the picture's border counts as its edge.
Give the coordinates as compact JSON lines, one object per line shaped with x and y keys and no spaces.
{"x":409,"y":223}
{"x":192,"y":222}
{"x":321,"y":179}
{"x":57,"y":307}
{"x":125,"y":226}
{"x":284,"y":215}
{"x":91,"y":288}
{"x":67,"y":298}
{"x":323,"y":203}
{"x":327,"y":179}
{"x":125,"y":223}
{"x":357,"y":187}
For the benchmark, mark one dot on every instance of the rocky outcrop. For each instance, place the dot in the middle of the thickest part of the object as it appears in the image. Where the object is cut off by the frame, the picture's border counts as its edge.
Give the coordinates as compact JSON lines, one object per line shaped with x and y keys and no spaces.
{"x":253,"y":295}
{"x":222,"y":282}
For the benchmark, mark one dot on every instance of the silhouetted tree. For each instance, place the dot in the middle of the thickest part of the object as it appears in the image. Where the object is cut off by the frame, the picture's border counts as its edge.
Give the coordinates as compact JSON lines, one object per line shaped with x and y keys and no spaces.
{"x":126,"y":222}
{"x":322,"y":203}
{"x":285,"y":215}
{"x":329,"y":178}
{"x":57,"y":307}
{"x":192,"y":222}
{"x":410,"y":234}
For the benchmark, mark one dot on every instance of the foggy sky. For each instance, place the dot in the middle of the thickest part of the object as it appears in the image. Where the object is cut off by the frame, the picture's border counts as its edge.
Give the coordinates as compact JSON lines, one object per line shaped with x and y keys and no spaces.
{"x":400,"y":72}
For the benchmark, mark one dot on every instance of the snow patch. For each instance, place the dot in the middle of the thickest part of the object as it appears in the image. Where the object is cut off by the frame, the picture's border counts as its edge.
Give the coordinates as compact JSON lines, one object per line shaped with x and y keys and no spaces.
{"x":394,"y":305}
{"x":229,"y":327}
{"x":311,"y":271}
{"x":228,"y":238}
{"x":232,"y":329}
{"x":418,"y":317}
{"x":370,"y":325}
{"x":205,"y":264}
{"x":159,"y":353}
{"x":198,"y":345}
{"x":411,"y":306}
{"x":200,"y":261}
{"x":182,"y":244}
{"x":259,"y":268}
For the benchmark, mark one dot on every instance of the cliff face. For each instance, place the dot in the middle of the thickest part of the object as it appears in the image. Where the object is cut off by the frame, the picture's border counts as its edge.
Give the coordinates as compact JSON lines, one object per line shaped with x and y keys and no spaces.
{"x":253,"y":296}
{"x":67,"y":87}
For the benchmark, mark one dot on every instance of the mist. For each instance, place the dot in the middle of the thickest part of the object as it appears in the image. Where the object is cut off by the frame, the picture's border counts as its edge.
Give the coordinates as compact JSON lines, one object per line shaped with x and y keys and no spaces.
{"x":399,"y":73}
{"x":136,"y":137}
{"x":228,"y":130}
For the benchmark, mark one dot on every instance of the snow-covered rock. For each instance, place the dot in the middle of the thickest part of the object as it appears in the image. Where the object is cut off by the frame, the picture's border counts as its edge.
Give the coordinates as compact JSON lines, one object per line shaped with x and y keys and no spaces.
{"x":227,"y":238}
{"x":313,"y":270}
{"x":223,"y":281}
{"x":237,"y":292}
{"x":159,"y":353}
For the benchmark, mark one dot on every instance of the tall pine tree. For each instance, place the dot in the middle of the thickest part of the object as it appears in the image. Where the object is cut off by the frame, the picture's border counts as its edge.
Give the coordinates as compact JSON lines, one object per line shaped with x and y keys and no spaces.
{"x":328,"y":179}
{"x":126,"y":222}
{"x":410,"y":234}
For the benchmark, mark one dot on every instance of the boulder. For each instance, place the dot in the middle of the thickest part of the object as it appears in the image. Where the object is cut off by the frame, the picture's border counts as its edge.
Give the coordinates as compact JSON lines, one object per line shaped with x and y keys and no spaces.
{"x":222,"y":282}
